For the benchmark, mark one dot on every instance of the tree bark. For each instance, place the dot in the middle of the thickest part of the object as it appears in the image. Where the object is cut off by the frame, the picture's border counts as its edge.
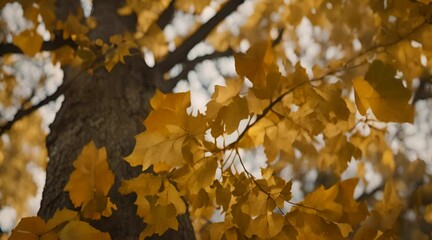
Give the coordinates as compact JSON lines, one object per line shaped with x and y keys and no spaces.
{"x":107,"y":108}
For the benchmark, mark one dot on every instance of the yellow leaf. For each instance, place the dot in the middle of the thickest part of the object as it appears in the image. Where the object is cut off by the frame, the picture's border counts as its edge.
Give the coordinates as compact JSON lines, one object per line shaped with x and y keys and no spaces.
{"x":312,"y":226}
{"x":29,"y":228}
{"x":272,"y":86}
{"x":214,"y":231}
{"x":256,"y":204}
{"x":266,"y":226}
{"x":228,"y":119}
{"x":154,"y":40}
{"x":168,"y":127}
{"x":428,"y":213}
{"x":256,"y":63}
{"x":196,"y":177}
{"x":388,"y":160}
{"x":91,"y":179}
{"x":336,"y":154}
{"x":384,"y":217}
{"x":223,"y":96}
{"x":120,"y":50}
{"x":77,"y":230}
{"x":390,"y":207}
{"x":223,"y":196}
{"x":61,"y":216}
{"x":145,"y":184}
{"x":158,"y":224}
{"x":279,"y":137}
{"x":336,"y":203}
{"x":29,"y":41}
{"x":385,"y":95}
{"x":170,"y":195}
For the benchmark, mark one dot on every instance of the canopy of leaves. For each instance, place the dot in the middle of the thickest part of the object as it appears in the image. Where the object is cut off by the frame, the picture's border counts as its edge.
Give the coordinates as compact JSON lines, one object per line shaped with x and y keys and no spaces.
{"x":302,"y":139}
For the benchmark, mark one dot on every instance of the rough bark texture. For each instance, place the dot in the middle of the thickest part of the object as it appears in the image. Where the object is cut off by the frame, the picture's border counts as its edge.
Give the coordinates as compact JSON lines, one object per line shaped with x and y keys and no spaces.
{"x":109,"y":109}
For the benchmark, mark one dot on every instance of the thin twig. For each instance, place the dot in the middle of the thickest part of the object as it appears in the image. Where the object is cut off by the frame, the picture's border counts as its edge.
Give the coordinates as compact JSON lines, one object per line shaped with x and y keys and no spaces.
{"x":252,"y":177}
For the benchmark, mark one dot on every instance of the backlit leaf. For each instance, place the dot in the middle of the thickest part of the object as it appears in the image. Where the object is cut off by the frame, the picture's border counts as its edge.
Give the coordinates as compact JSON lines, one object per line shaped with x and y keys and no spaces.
{"x":384,"y":94}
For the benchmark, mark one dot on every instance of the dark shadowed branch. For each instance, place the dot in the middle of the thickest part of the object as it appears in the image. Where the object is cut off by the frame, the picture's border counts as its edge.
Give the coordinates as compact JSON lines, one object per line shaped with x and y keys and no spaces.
{"x":166,"y":16}
{"x":367,"y":195}
{"x":23,"y":111}
{"x":180,"y":53}
{"x":188,"y":66}
{"x":58,"y":42}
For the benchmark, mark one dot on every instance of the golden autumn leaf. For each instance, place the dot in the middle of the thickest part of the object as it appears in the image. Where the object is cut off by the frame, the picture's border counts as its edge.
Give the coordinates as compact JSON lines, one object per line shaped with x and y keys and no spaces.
{"x":198,"y":176}
{"x":428,"y":213}
{"x":336,"y":204}
{"x":384,"y":216}
{"x":289,"y":109}
{"x":36,"y":228}
{"x":223,"y":96}
{"x":121,"y":47}
{"x":156,"y":197}
{"x":29,"y":228}
{"x":170,"y":195}
{"x":78,"y":230}
{"x":337,"y":153}
{"x":256,"y":63}
{"x":29,"y":41}
{"x":266,"y":226}
{"x":157,"y":224}
{"x":60,"y":217}
{"x":167,"y":128}
{"x":154,"y":40}
{"x":384,"y":94}
{"x":279,"y":137}
{"x":229,"y":116}
{"x":91,"y":180}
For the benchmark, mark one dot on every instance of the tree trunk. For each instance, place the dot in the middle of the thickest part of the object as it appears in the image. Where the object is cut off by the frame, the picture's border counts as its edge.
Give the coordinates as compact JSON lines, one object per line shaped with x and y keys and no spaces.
{"x":107,"y":108}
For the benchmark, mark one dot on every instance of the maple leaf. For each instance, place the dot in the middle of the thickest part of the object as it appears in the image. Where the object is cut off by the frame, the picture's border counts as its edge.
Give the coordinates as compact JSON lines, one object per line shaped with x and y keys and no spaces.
{"x":167,"y":128}
{"x":383,"y":218}
{"x":29,"y":41}
{"x":36,"y":228}
{"x":200,"y":175}
{"x":156,"y":197}
{"x":266,"y":226}
{"x":121,"y":47}
{"x":256,"y":63}
{"x":337,"y":153}
{"x":29,"y":228}
{"x":385,"y":95}
{"x":90,"y":182}
{"x":78,"y":230}
{"x":336,"y":204}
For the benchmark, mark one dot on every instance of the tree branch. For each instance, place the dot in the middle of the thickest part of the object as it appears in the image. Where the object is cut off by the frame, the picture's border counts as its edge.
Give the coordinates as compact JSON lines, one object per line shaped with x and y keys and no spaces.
{"x":188,"y":66}
{"x":180,"y":53}
{"x":166,"y":16}
{"x":22,"y":112}
{"x":58,"y":42}
{"x":366,"y":195}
